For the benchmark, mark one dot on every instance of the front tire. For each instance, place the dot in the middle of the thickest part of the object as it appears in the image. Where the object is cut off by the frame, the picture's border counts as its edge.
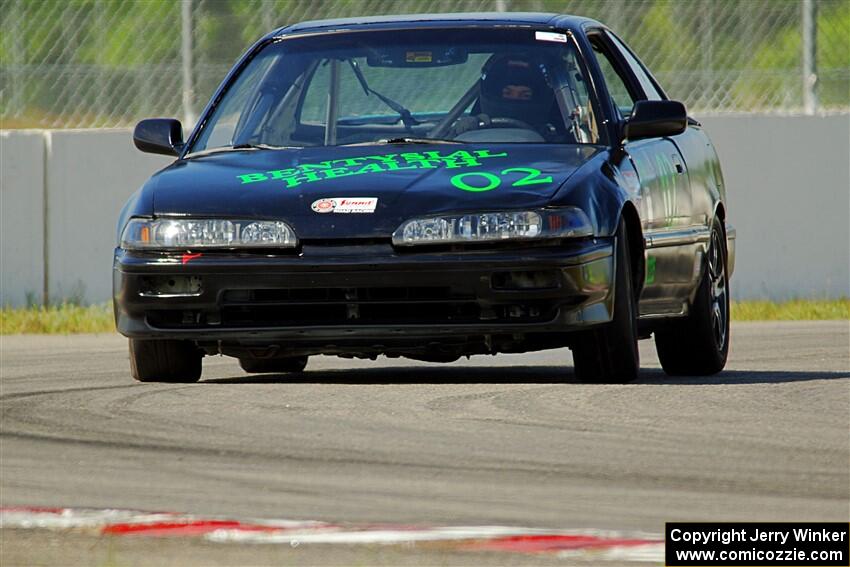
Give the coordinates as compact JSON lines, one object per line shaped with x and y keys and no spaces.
{"x":610,"y":354}
{"x":164,"y":361}
{"x":699,"y":344}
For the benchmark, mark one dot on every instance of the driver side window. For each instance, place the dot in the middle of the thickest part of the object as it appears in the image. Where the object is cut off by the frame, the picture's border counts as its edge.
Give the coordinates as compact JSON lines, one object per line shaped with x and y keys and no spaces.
{"x":637,"y":69}
{"x":617,"y":86}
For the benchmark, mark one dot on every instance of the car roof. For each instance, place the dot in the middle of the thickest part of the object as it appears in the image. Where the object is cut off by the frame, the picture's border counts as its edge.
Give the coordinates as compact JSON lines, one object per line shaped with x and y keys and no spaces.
{"x":429,"y":20}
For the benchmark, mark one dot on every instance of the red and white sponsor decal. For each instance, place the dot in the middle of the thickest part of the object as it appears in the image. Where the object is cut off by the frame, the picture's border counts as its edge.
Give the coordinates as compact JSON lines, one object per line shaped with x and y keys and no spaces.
{"x":345,"y":205}
{"x":593,"y":545}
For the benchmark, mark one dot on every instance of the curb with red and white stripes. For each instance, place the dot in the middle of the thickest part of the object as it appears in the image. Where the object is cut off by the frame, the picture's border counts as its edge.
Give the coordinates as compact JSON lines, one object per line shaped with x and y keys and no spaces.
{"x":592,"y":544}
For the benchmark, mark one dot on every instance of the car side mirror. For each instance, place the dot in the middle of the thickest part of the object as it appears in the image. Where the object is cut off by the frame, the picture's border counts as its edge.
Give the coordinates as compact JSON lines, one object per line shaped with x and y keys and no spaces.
{"x":656,"y":118}
{"x":159,"y":136}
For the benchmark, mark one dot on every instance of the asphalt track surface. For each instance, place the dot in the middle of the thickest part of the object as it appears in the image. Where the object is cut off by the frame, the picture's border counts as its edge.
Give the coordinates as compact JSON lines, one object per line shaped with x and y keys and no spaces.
{"x":507,"y":440}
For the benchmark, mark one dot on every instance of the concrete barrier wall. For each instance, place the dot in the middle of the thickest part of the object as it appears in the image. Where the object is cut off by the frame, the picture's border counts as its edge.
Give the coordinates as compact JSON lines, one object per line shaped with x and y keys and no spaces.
{"x":61,"y":194}
{"x":21,"y":217}
{"x":788,"y":191}
{"x":788,"y":183}
{"x":90,"y":175}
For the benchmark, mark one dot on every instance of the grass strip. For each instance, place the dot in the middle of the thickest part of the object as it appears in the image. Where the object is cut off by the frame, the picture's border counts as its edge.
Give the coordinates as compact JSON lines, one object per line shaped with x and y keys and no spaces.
{"x":793,"y":310}
{"x":70,"y":318}
{"x":61,"y":319}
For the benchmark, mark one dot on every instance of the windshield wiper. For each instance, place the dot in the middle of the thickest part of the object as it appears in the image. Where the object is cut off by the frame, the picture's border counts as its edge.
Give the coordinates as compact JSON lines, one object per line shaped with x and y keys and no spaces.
{"x":391,"y":141}
{"x":249,"y":146}
{"x":406,"y":116}
{"x":420,"y":141}
{"x":240,"y":147}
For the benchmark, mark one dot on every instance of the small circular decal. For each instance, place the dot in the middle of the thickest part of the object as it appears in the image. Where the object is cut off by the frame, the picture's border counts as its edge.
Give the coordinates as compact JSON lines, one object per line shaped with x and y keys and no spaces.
{"x":323,"y":205}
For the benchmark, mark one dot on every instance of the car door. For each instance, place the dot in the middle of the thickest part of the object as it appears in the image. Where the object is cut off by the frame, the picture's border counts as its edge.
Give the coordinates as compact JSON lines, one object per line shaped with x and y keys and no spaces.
{"x":693,"y":145}
{"x":662,"y":175}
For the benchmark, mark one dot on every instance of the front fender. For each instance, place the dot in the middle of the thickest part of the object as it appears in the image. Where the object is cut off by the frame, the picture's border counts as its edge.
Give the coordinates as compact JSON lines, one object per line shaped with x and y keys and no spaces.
{"x":140,"y":204}
{"x":594,"y":189}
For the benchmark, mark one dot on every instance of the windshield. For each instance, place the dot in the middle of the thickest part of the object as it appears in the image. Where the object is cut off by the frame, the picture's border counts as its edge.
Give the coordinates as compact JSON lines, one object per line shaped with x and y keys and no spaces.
{"x":512,"y":85}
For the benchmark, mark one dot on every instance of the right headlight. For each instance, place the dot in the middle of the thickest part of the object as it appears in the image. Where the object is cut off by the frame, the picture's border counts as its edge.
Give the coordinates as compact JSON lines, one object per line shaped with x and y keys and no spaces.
{"x":187,"y":233}
{"x":538,"y":224}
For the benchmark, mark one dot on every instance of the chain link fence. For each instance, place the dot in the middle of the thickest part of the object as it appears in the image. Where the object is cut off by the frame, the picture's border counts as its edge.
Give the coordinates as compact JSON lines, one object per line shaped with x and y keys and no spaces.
{"x":108,"y":63}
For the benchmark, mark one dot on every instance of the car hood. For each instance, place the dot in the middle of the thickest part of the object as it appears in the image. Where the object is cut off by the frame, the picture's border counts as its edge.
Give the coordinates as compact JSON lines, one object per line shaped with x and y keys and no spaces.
{"x":407,"y":181}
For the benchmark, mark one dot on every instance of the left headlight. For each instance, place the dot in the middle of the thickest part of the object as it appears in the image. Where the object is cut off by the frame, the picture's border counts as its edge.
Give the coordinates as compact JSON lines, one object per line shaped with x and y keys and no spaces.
{"x":149,"y":234}
{"x":565,"y":222}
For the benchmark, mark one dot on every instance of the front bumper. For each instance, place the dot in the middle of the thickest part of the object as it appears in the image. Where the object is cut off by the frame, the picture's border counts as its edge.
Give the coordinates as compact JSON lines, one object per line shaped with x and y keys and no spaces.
{"x":327,"y":297}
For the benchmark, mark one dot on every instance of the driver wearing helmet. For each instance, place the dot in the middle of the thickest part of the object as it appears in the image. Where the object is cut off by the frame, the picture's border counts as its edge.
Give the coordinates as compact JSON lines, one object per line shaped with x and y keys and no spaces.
{"x":515,"y":89}
{"x":514,"y":93}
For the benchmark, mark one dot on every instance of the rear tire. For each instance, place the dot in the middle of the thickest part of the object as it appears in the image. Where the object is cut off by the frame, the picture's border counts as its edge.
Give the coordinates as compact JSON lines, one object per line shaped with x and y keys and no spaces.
{"x":164,"y":361}
{"x":699,"y":344}
{"x":273,"y":365}
{"x":610,"y":354}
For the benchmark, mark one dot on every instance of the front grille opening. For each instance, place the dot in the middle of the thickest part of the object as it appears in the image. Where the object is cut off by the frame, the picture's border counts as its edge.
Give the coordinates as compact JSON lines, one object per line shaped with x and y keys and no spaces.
{"x":528,"y":280}
{"x":170,"y":286}
{"x":344,"y":295}
{"x":351,"y":314}
{"x":356,"y":306}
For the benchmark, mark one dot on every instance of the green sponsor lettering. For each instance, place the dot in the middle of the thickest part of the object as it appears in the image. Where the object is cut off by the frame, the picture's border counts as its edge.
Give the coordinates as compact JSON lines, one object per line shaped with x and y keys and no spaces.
{"x":296,"y":180}
{"x":384,"y":158}
{"x":463,"y":162}
{"x":487,"y":154}
{"x":462,"y":158}
{"x":351,"y":162}
{"x":252,"y":177}
{"x":426,"y":163}
{"x":282,"y":173}
{"x":314,"y":166}
{"x":380,"y":163}
{"x":667,"y":183}
{"x":460,"y":155}
{"x":337,"y":172}
{"x":393,"y":166}
{"x":370,"y":168}
{"x":650,"y":270}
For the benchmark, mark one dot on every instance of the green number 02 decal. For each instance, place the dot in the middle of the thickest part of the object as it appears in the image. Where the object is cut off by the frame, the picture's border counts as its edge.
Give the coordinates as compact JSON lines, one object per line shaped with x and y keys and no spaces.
{"x":533,"y":177}
{"x":492,"y":181}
